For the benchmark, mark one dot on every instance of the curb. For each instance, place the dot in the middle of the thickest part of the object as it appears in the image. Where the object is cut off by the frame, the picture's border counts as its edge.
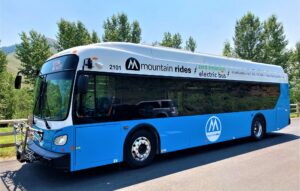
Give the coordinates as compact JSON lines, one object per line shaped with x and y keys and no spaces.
{"x":295,"y":118}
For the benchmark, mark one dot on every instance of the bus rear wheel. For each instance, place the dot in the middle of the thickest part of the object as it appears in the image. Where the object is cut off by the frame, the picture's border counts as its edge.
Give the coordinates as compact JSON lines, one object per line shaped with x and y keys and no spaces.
{"x":140,"y":149}
{"x":258,"y":128}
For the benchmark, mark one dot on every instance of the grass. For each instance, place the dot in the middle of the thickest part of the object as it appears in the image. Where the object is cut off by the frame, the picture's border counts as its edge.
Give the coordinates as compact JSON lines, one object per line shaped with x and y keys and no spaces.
{"x":8,"y":151}
{"x":293,"y":115}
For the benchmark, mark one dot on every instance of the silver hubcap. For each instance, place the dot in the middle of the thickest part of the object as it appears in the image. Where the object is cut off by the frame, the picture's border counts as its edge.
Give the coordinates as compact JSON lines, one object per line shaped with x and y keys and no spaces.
{"x":140,"y":149}
{"x":258,"y":129}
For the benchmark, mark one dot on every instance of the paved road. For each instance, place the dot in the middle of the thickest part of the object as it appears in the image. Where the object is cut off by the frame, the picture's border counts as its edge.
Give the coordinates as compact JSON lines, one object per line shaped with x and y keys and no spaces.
{"x":270,"y":164}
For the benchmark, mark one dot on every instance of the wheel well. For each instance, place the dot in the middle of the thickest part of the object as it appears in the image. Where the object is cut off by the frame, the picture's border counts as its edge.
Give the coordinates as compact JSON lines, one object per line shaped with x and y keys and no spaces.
{"x":260,"y":115}
{"x":148,"y":128}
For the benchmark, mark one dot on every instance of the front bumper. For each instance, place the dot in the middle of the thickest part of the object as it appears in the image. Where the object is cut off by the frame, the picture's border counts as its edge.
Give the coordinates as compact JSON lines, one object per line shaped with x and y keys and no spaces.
{"x":33,"y":152}
{"x":42,"y":152}
{"x":28,"y":151}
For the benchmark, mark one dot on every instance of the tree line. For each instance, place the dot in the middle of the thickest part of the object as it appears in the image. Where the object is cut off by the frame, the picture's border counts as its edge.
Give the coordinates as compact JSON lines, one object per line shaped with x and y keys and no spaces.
{"x":253,"y":40}
{"x":265,"y":42}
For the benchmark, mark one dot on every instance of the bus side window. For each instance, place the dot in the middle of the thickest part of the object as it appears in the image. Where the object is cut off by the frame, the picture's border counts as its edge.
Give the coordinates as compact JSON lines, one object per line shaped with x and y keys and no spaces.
{"x":86,"y":102}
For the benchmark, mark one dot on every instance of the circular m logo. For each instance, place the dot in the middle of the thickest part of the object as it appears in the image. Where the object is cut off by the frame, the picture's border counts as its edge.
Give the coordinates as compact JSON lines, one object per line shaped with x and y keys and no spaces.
{"x":132,"y":64}
{"x":213,"y":128}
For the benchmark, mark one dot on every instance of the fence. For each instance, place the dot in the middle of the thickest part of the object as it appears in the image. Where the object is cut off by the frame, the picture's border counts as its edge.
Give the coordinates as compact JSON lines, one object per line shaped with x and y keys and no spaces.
{"x":7,"y":122}
{"x":295,"y":108}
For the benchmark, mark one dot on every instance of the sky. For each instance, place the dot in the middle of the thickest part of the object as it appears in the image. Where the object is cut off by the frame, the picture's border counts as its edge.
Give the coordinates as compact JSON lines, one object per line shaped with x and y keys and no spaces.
{"x":210,"y":22}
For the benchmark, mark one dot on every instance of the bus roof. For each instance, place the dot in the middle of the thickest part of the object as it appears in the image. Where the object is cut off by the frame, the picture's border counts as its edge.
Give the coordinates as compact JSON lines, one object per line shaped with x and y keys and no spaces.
{"x":118,"y":57}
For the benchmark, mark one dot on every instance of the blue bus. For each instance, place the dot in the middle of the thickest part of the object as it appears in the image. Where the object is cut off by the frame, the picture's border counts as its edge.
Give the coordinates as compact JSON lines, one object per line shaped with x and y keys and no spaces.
{"x":112,"y":102}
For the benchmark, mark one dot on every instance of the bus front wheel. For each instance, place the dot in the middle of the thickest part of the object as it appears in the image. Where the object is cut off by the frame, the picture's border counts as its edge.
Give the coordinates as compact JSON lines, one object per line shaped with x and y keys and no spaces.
{"x":140,"y":149}
{"x":258,"y":128}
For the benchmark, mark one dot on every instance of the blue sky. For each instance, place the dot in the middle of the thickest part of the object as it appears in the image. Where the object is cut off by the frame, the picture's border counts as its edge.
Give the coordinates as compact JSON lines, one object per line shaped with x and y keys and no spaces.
{"x":210,"y":22}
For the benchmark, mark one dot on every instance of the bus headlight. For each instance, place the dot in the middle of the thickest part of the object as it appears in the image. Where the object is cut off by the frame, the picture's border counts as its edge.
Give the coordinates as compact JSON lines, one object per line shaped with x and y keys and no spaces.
{"x":61,"y":140}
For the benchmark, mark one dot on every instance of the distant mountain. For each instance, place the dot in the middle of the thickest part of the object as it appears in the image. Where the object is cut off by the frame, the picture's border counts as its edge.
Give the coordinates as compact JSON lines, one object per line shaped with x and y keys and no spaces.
{"x":51,"y":42}
{"x":12,"y":48}
{"x":9,"y":49}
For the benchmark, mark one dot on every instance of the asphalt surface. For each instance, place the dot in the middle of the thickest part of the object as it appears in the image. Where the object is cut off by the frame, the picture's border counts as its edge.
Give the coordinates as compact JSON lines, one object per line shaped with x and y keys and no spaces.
{"x":270,"y":164}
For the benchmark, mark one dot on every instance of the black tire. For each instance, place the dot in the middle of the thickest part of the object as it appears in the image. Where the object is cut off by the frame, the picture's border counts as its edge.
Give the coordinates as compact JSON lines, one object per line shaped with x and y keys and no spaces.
{"x":139,"y":141}
{"x":258,"y":128}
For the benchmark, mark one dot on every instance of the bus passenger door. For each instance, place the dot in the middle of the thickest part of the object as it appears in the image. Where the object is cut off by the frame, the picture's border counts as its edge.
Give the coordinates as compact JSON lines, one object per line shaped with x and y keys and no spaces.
{"x":97,"y":141}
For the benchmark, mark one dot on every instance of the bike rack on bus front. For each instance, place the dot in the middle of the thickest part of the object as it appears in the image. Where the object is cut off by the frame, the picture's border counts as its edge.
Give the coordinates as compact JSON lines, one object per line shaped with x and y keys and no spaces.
{"x":22,"y":132}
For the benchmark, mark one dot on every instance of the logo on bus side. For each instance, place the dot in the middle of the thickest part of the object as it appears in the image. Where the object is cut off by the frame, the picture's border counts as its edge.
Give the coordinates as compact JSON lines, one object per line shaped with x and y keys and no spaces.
{"x":132,"y":64}
{"x":213,"y":128}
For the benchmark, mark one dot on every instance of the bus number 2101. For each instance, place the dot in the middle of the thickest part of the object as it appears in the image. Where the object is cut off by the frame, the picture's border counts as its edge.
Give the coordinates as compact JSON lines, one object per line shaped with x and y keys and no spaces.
{"x":114,"y":67}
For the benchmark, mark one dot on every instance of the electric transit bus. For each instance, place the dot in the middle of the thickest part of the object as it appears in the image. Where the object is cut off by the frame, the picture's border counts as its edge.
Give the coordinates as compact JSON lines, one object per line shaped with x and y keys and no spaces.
{"x":112,"y":102}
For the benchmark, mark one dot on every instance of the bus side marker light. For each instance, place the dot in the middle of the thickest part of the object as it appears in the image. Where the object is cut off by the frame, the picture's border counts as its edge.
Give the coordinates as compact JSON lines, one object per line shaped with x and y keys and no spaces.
{"x":72,"y":148}
{"x":126,"y":127}
{"x":77,"y":148}
{"x":94,"y":58}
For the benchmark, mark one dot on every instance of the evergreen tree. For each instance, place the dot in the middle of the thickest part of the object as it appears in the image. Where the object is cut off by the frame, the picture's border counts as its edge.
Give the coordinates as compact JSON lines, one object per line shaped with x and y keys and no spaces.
{"x":32,"y":52}
{"x":6,"y":96}
{"x":177,"y":41}
{"x":22,"y":103}
{"x":294,"y":74}
{"x":3,"y":61}
{"x":71,"y":34}
{"x":136,"y":32}
{"x":295,"y":63}
{"x":260,"y":42}
{"x":298,"y":52}
{"x":274,"y":43}
{"x":118,"y":29}
{"x":191,"y":44}
{"x":167,"y":40}
{"x":173,"y":41}
{"x":227,"y":50}
{"x":248,"y":38}
{"x":95,"y":38}
{"x":82,"y":35}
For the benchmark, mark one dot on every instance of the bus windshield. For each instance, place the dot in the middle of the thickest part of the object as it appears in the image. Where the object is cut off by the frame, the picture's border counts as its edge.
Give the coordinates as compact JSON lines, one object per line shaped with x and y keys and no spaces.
{"x":52,"y":95}
{"x":53,"y":89}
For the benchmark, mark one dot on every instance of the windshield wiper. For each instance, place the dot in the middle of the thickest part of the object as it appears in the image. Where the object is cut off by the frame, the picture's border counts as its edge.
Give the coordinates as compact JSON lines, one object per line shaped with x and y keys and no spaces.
{"x":46,"y":123}
{"x":46,"y":102}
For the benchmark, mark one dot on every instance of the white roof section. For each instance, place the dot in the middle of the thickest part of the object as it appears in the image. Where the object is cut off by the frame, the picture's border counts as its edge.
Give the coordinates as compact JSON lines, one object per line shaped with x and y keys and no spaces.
{"x":160,"y":61}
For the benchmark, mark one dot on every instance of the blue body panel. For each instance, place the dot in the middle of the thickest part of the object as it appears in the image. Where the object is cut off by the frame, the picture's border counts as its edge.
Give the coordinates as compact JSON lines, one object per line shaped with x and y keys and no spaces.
{"x":283,"y":107}
{"x":99,"y":144}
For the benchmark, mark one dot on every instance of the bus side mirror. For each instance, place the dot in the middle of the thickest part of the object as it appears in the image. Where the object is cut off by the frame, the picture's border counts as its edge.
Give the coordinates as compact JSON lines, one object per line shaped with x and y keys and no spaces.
{"x":18,"y":81}
{"x":83,"y":81}
{"x":88,"y":62}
